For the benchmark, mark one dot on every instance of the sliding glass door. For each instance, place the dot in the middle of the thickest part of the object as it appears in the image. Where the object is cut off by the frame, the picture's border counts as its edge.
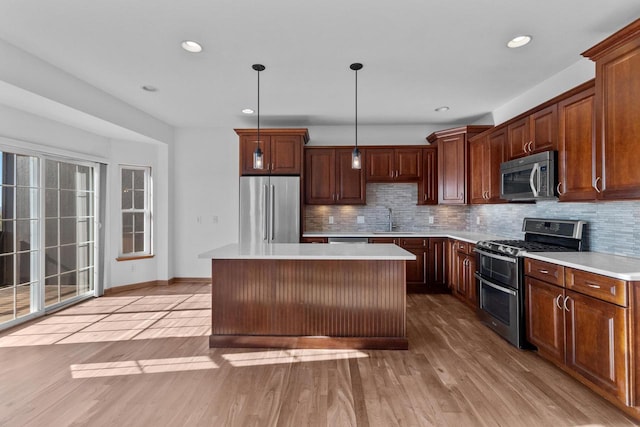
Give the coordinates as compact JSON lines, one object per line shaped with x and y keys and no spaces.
{"x":47,"y":233}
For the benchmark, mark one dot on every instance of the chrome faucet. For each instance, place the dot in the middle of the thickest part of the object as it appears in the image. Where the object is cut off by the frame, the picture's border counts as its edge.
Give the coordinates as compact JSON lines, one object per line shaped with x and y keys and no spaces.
{"x":390,"y":219}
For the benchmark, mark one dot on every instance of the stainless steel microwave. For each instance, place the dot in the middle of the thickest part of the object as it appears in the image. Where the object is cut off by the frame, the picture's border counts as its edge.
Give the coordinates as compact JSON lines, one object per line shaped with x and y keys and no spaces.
{"x":529,"y":178}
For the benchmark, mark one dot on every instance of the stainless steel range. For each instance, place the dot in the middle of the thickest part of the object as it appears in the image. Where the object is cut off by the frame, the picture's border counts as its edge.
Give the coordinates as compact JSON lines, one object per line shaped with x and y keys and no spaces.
{"x":500,"y":272}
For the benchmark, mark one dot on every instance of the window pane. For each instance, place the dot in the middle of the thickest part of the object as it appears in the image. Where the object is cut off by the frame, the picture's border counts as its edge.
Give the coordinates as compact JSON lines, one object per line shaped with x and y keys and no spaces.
{"x":51,"y":232}
{"x":8,"y":165}
{"x":51,"y":291}
{"x":6,"y":237}
{"x":85,"y":255}
{"x":51,"y":203}
{"x":6,"y":271}
{"x":85,"y":178}
{"x":27,"y":233}
{"x":23,"y":300}
{"x":6,"y":199}
{"x":84,"y":204}
{"x":67,"y":176}
{"x":127,"y":243}
{"x":138,"y":222}
{"x":127,"y":222}
{"x":51,"y":262}
{"x":85,"y":281}
{"x":27,"y":202}
{"x":139,"y":242}
{"x":6,"y":304}
{"x":68,"y":231}
{"x":26,"y":171}
{"x":67,"y":203}
{"x":51,"y":174}
{"x":27,"y":262}
{"x":138,"y":199}
{"x":67,"y":258}
{"x":127,"y":199}
{"x":127,"y":180}
{"x":68,"y":287}
{"x":85,"y":230}
{"x":138,"y":180}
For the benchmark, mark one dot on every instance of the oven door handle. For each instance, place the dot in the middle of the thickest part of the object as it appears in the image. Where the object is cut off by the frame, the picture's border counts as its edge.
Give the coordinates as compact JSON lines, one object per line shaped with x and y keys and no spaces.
{"x":496,"y":256}
{"x":496,"y":287}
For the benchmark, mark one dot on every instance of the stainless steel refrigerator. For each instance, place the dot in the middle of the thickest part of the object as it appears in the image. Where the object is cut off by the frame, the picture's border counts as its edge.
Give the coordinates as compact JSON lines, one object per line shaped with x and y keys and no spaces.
{"x":269,"y":209}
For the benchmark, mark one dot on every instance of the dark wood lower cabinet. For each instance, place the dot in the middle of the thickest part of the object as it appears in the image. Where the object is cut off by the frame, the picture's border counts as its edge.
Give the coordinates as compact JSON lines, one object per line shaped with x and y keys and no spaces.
{"x":463,"y":280}
{"x":545,"y":325}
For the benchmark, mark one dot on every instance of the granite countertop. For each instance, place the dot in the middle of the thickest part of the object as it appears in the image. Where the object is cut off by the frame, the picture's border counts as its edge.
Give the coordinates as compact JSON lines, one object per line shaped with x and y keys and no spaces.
{"x":466,"y":236}
{"x":619,"y":267}
{"x":305,"y":251}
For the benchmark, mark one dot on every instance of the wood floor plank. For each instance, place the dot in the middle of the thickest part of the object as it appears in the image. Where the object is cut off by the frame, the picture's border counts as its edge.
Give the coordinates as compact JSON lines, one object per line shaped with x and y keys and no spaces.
{"x":455,"y":373}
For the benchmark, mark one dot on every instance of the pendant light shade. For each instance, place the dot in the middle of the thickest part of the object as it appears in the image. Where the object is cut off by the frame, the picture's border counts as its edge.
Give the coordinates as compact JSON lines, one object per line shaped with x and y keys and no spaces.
{"x":258,"y":156}
{"x":356,"y":157}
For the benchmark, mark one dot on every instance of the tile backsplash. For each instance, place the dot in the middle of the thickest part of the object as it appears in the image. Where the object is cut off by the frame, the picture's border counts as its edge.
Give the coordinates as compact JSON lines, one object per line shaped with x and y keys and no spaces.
{"x":612,"y":227}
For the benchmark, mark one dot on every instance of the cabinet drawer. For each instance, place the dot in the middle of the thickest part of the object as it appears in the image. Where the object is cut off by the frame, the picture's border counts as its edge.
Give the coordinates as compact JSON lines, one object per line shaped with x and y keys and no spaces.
{"x":546,"y":271}
{"x":461,"y":246}
{"x":601,"y":287}
{"x":413,"y":242}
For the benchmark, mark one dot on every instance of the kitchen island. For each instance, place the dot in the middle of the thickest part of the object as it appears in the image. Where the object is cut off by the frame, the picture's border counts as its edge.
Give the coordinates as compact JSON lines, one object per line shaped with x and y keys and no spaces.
{"x":287,"y":295}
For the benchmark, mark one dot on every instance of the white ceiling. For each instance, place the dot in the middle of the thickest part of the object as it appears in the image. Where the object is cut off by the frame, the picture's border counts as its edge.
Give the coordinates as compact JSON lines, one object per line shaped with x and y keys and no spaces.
{"x":417,"y":54}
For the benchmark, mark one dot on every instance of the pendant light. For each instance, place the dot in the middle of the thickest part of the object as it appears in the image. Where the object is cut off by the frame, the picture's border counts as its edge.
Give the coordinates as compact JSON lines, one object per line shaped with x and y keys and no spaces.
{"x":258,"y":157}
{"x":356,"y":158}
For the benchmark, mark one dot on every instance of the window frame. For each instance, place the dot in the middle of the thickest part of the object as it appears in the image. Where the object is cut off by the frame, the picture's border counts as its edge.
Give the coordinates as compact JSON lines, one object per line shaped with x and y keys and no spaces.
{"x":147,"y":210}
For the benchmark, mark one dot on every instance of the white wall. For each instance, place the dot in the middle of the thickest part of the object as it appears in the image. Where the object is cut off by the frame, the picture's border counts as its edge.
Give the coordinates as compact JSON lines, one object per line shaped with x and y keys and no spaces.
{"x":206,"y":177}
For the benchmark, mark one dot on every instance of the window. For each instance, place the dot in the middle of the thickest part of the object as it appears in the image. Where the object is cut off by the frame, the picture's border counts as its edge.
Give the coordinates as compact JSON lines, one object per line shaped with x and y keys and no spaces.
{"x":136,"y":211}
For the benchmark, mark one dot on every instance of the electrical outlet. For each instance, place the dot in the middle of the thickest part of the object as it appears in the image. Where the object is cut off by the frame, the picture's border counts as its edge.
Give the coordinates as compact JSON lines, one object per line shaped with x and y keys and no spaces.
{"x":360,"y":219}
{"x":430,"y":219}
{"x":330,"y":219}
{"x":477,"y":220}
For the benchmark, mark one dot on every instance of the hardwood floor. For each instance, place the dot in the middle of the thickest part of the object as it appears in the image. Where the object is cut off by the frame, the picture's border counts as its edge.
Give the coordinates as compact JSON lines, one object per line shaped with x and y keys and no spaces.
{"x":141,"y":358}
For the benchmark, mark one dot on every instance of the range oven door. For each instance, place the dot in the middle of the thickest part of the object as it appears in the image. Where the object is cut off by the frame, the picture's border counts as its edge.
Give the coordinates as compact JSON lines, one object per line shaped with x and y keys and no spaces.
{"x":498,"y":268}
{"x":500,"y":310}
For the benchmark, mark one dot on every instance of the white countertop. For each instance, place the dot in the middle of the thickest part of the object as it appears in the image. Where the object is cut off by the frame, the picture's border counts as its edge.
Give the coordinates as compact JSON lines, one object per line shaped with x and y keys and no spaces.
{"x":307,"y":251}
{"x":466,"y":236}
{"x":619,"y":267}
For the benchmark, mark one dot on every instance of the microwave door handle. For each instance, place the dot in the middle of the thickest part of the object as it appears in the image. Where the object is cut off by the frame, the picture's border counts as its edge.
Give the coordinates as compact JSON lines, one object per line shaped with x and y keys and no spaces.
{"x":532,"y":184}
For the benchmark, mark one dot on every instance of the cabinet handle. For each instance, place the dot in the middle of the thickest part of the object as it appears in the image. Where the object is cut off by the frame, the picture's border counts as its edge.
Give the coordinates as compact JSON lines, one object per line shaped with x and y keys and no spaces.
{"x":595,"y":184}
{"x":557,"y":300}
{"x":558,"y":189}
{"x":594,"y":286}
{"x":529,"y":146}
{"x":543,"y":271}
{"x":564,"y":303}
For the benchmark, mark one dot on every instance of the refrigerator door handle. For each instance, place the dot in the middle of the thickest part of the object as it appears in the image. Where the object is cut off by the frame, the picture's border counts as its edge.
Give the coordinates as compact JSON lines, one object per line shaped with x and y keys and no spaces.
{"x":265,"y":194}
{"x":272,"y":194}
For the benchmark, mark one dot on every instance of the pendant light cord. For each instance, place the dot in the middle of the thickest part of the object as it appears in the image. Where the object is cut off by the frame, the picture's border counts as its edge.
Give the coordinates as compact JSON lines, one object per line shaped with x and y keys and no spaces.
{"x":258,"y":108}
{"x":356,"y":108}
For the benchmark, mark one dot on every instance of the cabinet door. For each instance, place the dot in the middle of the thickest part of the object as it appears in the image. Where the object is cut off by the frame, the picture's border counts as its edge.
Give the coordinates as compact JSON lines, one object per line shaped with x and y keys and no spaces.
{"x":478,"y":169}
{"x":544,"y":130}
{"x":575,"y":147}
{"x":379,"y":164}
{"x":452,"y":165}
{"x":436,"y":263}
{"x":495,"y":147}
{"x":416,"y":269}
{"x":350,"y":184}
{"x":285,"y":155}
{"x":470,"y":279}
{"x":545,"y":318}
{"x":320,"y":176}
{"x":618,"y":122}
{"x":248,"y":144}
{"x":597,"y":343}
{"x":518,"y":138}
{"x":460,"y":284}
{"x":428,"y":186}
{"x":408,"y":164}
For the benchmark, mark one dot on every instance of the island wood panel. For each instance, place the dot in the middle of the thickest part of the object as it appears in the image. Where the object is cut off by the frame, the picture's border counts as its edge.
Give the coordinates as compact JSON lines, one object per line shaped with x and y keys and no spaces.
{"x":309,"y":303}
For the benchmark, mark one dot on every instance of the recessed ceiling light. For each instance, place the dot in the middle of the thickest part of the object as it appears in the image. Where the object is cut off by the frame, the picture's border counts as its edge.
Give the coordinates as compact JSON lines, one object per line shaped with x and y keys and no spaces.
{"x":191,"y":46}
{"x":149,"y":88}
{"x":441,"y":109}
{"x":518,"y":41}
{"x":248,"y":111}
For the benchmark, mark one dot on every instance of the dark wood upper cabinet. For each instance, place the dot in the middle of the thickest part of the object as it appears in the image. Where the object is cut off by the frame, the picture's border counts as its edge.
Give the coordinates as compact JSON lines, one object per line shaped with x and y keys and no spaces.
{"x":534,"y":133}
{"x":453,"y":162}
{"x":393,"y":164}
{"x":486,"y":154}
{"x":330,"y":180}
{"x":428,"y":185}
{"x":282,"y":150}
{"x":617,"y":156}
{"x":576,"y":149}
